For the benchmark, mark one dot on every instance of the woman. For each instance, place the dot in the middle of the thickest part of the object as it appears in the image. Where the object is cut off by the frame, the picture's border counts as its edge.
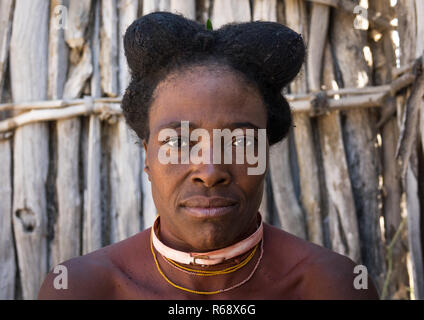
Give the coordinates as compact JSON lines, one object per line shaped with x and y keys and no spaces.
{"x":208,"y":240}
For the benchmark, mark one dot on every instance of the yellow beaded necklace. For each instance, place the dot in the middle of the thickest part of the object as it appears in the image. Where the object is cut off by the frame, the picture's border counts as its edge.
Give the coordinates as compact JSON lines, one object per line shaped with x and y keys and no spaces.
{"x":209,"y":292}
{"x":216,"y":272}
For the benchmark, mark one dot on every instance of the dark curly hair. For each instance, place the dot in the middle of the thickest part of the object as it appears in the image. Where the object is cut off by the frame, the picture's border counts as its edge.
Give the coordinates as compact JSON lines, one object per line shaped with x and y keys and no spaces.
{"x":267,"y":55}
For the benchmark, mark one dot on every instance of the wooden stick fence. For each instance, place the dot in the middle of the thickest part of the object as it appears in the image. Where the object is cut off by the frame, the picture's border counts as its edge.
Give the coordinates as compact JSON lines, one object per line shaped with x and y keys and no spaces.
{"x":349,"y":176}
{"x":106,"y":108}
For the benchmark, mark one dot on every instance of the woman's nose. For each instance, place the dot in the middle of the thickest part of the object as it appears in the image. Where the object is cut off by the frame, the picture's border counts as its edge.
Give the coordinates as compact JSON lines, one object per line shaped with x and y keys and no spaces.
{"x":211,"y":175}
{"x":205,"y":171}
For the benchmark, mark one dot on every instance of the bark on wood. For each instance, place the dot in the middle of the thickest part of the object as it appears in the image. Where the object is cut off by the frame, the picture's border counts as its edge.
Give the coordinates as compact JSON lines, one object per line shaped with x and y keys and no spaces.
{"x":414,"y":224}
{"x":186,"y":8}
{"x":265,"y":10}
{"x":58,"y":52}
{"x":7,"y":252}
{"x":411,"y":185}
{"x":105,"y":111}
{"x":360,"y":138}
{"x":225,"y":11}
{"x":77,"y":22}
{"x":317,"y":40}
{"x":333,"y":3}
{"x":343,"y":223}
{"x":78,"y":16}
{"x":6,"y":15}
{"x":108,"y":107}
{"x":67,"y":229}
{"x":127,"y":14}
{"x":419,"y":7}
{"x":57,"y":68}
{"x":155,"y":5}
{"x":92,"y":230}
{"x":408,"y":26}
{"x":384,"y":60}
{"x":303,"y":136}
{"x":92,"y":219}
{"x":28,"y":70}
{"x":407,"y":140}
{"x":109,"y":48}
{"x":125,"y":155}
{"x":290,"y":213}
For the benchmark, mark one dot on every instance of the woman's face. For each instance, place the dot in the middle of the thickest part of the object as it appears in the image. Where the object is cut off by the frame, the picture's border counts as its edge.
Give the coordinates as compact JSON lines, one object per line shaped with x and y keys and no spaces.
{"x":208,"y":100}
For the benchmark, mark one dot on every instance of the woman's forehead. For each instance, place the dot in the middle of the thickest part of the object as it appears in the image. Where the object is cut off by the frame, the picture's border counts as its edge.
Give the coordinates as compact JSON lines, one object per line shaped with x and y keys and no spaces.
{"x":207,"y":99}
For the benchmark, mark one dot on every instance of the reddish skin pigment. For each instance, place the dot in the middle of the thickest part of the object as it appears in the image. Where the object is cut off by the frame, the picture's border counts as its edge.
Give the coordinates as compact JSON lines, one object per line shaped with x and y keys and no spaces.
{"x":291,"y":268}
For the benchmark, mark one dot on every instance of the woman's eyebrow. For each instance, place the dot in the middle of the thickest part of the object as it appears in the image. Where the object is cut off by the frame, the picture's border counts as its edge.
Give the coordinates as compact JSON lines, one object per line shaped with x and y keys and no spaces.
{"x":174,"y":125}
{"x":232,"y":125}
{"x":243,"y":125}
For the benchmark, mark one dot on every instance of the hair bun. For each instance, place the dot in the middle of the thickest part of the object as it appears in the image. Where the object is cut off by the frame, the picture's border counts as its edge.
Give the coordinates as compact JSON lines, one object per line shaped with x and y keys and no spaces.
{"x":143,"y":50}
{"x":269,"y":49}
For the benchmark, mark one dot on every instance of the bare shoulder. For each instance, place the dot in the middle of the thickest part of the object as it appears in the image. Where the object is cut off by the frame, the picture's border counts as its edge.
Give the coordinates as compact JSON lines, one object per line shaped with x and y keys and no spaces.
{"x":320,"y":272}
{"x":97,"y":275}
{"x":80,"y":278}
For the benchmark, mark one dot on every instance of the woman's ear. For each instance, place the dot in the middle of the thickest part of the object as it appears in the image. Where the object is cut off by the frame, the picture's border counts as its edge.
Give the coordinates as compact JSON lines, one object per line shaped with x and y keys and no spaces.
{"x":146,"y":162}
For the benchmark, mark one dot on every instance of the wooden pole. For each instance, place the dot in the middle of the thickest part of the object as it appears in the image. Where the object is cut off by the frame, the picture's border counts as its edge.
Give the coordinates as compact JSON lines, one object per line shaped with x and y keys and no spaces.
{"x":109,"y":48}
{"x":296,"y":18}
{"x":7,"y":252}
{"x":58,"y":50}
{"x":125,"y":153}
{"x":343,"y":223}
{"x":265,"y":10}
{"x":384,"y":60}
{"x":289,"y":212}
{"x":225,"y":11}
{"x":77,"y":22}
{"x":57,"y":71}
{"x":360,"y":136}
{"x":92,"y":219}
{"x":187,"y":8}
{"x":419,"y":5}
{"x":68,"y":226}
{"x":408,"y":34}
{"x":28,"y":71}
{"x":155,"y":5}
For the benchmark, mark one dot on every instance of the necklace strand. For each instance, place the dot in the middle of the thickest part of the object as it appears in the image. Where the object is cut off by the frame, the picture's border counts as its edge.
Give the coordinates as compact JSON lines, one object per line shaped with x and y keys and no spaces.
{"x":205,"y":292}
{"x":210,"y":273}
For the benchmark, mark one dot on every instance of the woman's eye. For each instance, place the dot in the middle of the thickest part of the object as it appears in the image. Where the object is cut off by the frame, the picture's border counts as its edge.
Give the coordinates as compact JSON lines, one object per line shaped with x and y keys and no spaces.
{"x":176,"y":142}
{"x":240,"y":141}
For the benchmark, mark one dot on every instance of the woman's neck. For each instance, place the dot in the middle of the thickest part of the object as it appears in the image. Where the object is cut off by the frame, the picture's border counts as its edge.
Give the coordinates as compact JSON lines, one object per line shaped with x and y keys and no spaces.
{"x":166,"y":240}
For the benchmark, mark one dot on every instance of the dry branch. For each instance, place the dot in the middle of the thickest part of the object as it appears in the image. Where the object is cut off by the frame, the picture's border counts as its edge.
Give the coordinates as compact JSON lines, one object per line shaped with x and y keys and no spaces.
{"x":7,"y":252}
{"x":92,"y":214}
{"x":28,"y":71}
{"x":64,"y":108}
{"x":310,"y":197}
{"x":359,"y":133}
{"x":408,"y":132}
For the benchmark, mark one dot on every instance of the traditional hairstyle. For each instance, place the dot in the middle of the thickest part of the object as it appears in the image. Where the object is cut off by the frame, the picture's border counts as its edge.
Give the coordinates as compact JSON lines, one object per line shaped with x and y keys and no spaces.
{"x":267,"y":54}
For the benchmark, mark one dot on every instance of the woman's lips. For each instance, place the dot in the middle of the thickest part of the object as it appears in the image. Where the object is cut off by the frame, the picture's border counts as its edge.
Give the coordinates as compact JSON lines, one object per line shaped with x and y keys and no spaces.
{"x":202,"y":207}
{"x":211,"y":212}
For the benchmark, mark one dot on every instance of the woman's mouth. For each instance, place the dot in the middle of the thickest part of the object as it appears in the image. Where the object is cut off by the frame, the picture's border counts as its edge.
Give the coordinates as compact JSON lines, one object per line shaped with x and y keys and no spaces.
{"x":200,"y":212}
{"x":208,"y":207}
